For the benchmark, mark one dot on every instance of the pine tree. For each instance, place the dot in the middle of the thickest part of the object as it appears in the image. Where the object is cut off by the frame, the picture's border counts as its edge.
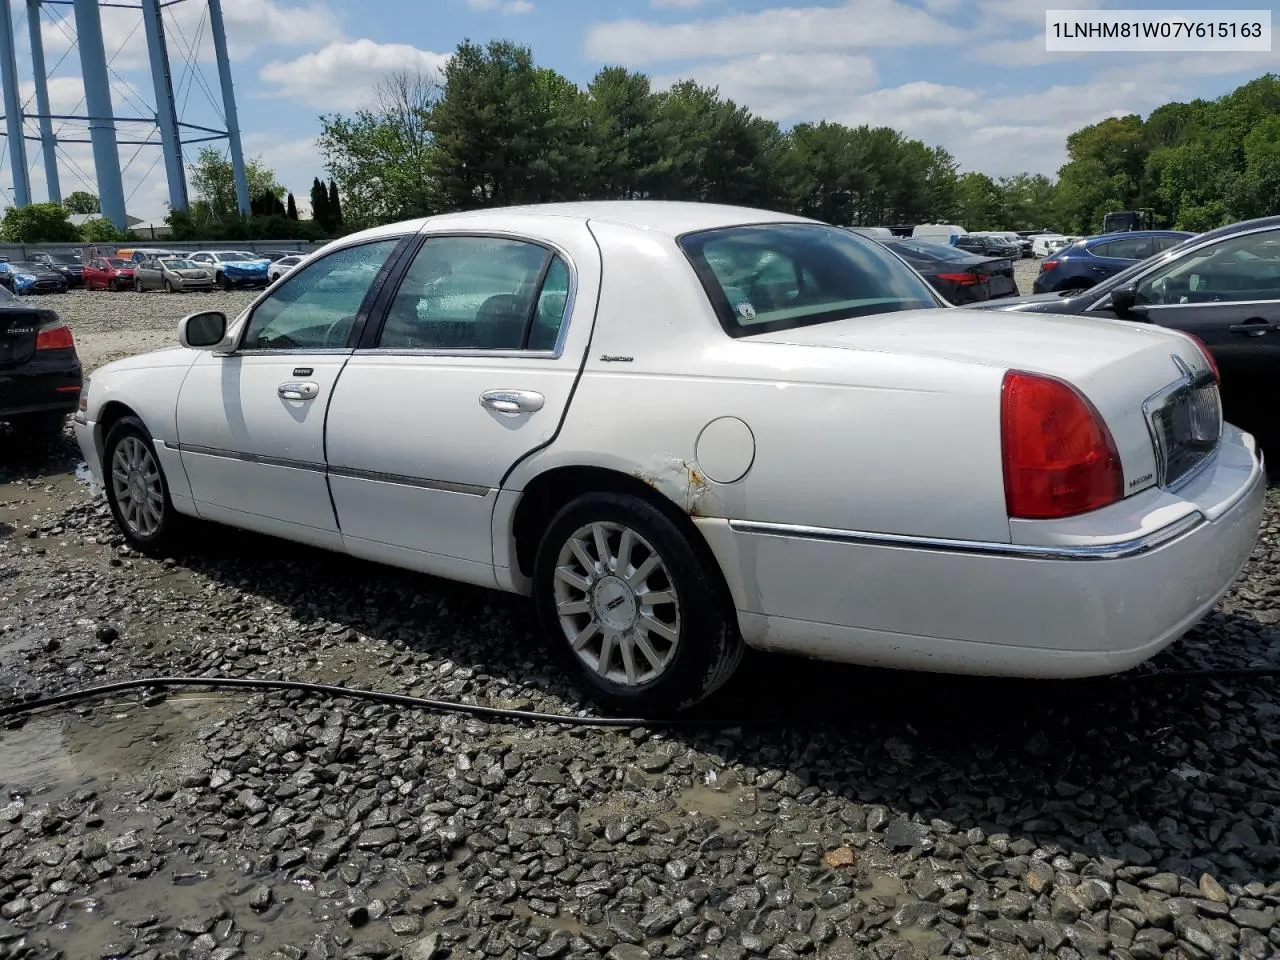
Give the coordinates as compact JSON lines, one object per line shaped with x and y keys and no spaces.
{"x":335,"y":205}
{"x":320,"y":205}
{"x":291,"y":211}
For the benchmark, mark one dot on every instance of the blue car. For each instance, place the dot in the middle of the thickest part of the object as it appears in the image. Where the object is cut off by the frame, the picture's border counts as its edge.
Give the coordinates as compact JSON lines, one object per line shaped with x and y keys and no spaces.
{"x":28,"y":277}
{"x":1094,"y":259}
{"x":235,"y":268}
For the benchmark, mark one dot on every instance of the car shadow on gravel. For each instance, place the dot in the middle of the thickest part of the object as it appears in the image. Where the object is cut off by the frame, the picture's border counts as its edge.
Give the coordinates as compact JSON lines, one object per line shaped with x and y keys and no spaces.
{"x":1172,"y":775}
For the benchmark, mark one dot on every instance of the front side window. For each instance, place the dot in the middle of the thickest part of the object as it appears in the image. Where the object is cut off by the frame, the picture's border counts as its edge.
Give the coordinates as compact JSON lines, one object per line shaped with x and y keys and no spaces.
{"x":315,"y":308}
{"x":769,"y":277}
{"x":1240,"y":268}
{"x":478,"y":293}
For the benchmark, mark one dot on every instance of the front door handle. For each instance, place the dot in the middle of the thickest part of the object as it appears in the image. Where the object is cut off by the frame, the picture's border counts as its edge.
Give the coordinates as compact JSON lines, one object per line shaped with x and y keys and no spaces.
{"x":512,"y":401}
{"x":298,"y":390}
{"x":1254,"y":327}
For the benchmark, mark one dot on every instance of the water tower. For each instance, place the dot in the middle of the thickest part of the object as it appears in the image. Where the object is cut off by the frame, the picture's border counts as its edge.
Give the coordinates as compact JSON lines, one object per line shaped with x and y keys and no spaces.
{"x":170,"y":129}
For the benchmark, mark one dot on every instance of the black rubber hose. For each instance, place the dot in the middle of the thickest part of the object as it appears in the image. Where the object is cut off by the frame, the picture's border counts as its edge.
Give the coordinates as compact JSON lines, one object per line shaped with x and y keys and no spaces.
{"x":500,"y":713}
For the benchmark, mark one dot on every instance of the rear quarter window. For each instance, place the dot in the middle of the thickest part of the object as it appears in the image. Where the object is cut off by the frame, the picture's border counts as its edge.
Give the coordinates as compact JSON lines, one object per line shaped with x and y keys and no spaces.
{"x":762,"y":278}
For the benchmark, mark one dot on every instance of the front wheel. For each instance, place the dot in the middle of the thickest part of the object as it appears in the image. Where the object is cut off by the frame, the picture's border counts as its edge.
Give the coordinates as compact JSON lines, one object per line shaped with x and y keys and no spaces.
{"x":626,"y":602}
{"x":137,"y":285}
{"x":137,"y":491}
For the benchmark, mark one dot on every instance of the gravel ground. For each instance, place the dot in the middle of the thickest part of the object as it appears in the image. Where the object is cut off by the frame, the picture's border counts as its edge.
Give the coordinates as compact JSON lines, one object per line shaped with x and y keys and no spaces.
{"x":837,"y":813}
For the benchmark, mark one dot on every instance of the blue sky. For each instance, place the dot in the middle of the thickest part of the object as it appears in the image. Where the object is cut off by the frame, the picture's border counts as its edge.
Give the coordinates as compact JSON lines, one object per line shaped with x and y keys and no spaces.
{"x":970,"y":75}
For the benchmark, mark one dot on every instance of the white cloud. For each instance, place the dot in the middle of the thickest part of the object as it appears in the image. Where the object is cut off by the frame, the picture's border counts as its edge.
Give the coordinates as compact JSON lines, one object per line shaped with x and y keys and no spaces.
{"x":675,"y":4}
{"x":341,"y":75}
{"x":989,"y":133}
{"x":502,"y":6}
{"x":784,"y":86}
{"x":854,"y":24}
{"x":250,"y":24}
{"x":1020,"y":12}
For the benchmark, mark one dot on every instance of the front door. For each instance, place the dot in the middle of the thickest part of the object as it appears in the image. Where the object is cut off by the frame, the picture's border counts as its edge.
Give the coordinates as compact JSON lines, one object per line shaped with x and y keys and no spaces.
{"x":472,"y":370}
{"x":251,"y":424}
{"x":1228,"y":295}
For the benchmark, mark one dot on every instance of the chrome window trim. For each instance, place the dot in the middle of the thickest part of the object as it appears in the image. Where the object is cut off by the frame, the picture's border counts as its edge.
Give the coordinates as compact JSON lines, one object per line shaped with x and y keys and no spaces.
{"x":1210,"y":303}
{"x":1138,"y":278}
{"x":1119,"y":550}
{"x":566,"y":320}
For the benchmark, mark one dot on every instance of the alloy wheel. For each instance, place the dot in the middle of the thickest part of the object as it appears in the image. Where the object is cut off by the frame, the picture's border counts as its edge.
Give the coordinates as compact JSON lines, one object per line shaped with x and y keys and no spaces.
{"x":138,"y":487}
{"x":616,"y":603}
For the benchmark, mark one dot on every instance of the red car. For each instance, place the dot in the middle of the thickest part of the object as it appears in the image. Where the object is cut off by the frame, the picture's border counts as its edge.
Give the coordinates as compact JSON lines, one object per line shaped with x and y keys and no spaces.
{"x":108,"y":273}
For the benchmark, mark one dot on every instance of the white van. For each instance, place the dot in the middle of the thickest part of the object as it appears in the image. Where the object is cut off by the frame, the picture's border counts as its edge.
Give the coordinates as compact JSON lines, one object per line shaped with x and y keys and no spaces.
{"x":875,"y":233}
{"x":1046,"y":243}
{"x":944,"y":233}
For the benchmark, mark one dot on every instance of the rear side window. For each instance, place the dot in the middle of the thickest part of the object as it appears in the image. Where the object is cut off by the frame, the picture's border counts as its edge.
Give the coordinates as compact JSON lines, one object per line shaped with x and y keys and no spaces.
{"x":1128,"y":248}
{"x":770,"y":277}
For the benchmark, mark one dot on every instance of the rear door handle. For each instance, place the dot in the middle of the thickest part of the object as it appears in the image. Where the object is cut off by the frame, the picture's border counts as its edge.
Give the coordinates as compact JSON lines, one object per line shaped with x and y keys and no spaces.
{"x":512,"y":401}
{"x":298,"y":390}
{"x":1254,"y":327}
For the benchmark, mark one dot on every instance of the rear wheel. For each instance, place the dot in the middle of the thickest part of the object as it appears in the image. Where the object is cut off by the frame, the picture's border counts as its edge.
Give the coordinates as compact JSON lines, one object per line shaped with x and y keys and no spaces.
{"x":137,"y":491}
{"x":632,"y":610}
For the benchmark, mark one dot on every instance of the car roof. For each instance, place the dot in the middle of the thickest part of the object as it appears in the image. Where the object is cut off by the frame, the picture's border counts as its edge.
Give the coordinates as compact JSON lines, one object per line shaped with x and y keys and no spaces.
{"x":670,"y":218}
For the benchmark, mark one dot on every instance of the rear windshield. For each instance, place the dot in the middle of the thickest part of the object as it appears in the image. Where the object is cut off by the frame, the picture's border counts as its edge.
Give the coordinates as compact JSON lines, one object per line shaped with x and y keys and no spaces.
{"x":928,"y":251}
{"x":770,"y":277}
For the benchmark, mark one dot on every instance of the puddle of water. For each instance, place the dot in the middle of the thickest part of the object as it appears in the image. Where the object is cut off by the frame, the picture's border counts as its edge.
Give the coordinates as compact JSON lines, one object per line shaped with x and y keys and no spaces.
{"x":726,"y":799}
{"x":59,"y":754}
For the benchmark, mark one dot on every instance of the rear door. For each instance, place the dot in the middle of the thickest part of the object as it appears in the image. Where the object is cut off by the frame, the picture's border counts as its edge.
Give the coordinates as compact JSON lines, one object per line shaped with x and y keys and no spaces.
{"x":1111,"y":257}
{"x":472,"y":370}
{"x":1228,"y":295}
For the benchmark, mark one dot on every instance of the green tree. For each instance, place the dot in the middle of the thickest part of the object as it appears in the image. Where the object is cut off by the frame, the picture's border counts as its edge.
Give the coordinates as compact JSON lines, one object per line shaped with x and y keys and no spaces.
{"x":320,"y":205}
{"x":38,"y":223}
{"x":81,"y":201}
{"x":101,"y":230}
{"x":379,"y":157}
{"x":624,"y":152}
{"x":291,"y":208}
{"x":213,"y":183}
{"x":335,"y":206}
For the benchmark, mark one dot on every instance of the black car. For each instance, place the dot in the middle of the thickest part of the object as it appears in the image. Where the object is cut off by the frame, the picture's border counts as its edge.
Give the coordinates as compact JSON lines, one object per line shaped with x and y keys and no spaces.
{"x":40,"y":376}
{"x":31,"y":277}
{"x":67,"y":264}
{"x":960,"y":277}
{"x":1222,"y":287}
{"x":988,"y":246}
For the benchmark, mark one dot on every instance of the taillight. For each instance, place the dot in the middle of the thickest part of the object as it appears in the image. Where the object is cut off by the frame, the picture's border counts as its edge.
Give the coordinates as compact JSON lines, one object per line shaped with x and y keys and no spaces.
{"x":1059,"y":457}
{"x":54,"y":336}
{"x":1208,"y":357}
{"x":1047,"y":265}
{"x":963,"y":279}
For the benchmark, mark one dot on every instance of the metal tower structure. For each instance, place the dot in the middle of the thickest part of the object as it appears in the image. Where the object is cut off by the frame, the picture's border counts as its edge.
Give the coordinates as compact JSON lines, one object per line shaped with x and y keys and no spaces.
{"x":166,"y":122}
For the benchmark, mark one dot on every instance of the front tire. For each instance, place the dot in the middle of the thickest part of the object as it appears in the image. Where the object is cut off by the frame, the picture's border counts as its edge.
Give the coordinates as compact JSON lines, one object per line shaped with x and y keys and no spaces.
{"x":137,"y":490}
{"x":137,"y":285}
{"x":637,"y":616}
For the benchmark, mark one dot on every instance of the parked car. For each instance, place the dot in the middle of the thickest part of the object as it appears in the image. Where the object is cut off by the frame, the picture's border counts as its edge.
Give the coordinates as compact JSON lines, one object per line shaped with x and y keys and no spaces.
{"x":67,"y":264}
{"x":138,"y":254}
{"x":282,"y":266}
{"x":108,"y":273}
{"x":276,"y":255}
{"x":988,"y":246}
{"x":1046,"y":243}
{"x":875,"y":233}
{"x":1086,"y":262}
{"x":234,"y":268}
{"x":172,"y":274}
{"x":449,"y":396}
{"x":945,"y":233}
{"x":959,"y":276}
{"x":40,"y":374}
{"x":1222,"y":287}
{"x":30,"y":277}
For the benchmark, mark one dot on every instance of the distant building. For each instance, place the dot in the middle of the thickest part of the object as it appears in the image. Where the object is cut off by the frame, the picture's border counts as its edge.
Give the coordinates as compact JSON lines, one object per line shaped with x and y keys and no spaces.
{"x":150,"y":229}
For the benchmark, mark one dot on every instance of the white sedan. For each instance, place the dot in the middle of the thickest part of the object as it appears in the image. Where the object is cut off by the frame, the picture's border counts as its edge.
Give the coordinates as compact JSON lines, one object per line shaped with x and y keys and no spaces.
{"x":279,"y":268}
{"x":685,"y":428}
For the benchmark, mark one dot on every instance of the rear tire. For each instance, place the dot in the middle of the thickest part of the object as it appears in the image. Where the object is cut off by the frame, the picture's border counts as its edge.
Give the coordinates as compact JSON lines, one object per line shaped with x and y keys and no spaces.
{"x":137,"y":490}
{"x":636,"y":615}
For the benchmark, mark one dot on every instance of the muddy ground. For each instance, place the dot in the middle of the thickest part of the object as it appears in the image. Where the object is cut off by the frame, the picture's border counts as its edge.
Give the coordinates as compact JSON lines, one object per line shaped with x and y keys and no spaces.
{"x":834,"y":812}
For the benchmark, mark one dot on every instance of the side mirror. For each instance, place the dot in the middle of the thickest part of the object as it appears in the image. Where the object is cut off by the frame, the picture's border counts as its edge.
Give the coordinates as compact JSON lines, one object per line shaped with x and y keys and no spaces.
{"x":1123,"y":301}
{"x":202,"y":331}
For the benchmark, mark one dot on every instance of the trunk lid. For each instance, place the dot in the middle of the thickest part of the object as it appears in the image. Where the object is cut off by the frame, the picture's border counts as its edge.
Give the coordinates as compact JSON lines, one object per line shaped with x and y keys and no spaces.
{"x":18,"y":331}
{"x":1118,"y":365}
